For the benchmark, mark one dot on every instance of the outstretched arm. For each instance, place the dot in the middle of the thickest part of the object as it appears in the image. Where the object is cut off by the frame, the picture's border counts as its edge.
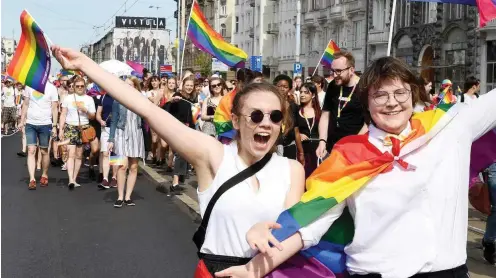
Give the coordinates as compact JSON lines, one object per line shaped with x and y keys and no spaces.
{"x":197,"y":148}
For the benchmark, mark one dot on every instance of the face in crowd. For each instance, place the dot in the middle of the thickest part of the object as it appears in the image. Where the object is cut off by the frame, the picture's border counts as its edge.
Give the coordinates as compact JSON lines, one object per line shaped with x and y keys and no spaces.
{"x":171,"y":84}
{"x":188,"y":86}
{"x":216,"y":87}
{"x":342,"y":71}
{"x":79,"y":87}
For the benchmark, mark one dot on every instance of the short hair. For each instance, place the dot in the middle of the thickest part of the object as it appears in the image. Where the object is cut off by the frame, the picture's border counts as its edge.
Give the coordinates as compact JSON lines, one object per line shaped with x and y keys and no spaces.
{"x":346,"y":54}
{"x":470,"y":82}
{"x":283,"y":77}
{"x":386,"y":68}
{"x":319,"y":80}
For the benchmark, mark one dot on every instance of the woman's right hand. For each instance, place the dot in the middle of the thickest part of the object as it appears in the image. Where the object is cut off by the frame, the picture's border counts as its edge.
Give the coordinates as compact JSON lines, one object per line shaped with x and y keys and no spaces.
{"x":110,"y":147}
{"x":321,"y":150}
{"x":103,"y":123}
{"x":259,"y":236}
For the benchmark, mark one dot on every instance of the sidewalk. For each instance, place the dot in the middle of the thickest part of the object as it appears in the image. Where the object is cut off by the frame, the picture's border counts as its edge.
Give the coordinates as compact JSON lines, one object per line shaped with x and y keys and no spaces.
{"x":476,"y":264}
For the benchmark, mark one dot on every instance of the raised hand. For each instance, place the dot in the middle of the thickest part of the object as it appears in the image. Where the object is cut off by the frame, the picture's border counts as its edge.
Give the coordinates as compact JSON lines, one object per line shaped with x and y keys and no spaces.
{"x":68,"y":58}
{"x":259,"y":236}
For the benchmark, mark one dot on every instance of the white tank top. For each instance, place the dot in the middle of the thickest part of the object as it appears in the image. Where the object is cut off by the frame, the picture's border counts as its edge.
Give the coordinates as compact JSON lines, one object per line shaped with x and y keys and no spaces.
{"x":239,"y":208}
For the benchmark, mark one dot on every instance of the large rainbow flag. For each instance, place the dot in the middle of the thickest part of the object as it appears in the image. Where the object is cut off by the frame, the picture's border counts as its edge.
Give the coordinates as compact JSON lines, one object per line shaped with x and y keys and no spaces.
{"x":222,"y":116}
{"x":31,"y":63}
{"x":352,"y":164}
{"x":328,"y":56}
{"x":206,"y":39}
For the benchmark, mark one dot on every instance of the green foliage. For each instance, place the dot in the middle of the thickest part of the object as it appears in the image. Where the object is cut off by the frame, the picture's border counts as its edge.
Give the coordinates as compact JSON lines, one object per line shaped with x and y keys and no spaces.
{"x":204,"y":61}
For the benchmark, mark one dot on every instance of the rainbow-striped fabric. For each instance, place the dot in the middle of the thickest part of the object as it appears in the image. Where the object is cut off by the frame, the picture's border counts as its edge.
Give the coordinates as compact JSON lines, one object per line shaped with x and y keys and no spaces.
{"x":31,"y":63}
{"x":446,"y":96}
{"x":328,"y":56}
{"x":352,"y":164}
{"x":206,"y":39}
{"x":117,"y":160}
{"x":196,"y":112}
{"x":222,"y":116}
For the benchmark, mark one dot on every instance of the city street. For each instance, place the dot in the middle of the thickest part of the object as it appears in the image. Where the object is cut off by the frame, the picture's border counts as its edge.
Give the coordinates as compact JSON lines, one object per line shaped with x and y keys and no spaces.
{"x":54,"y":232}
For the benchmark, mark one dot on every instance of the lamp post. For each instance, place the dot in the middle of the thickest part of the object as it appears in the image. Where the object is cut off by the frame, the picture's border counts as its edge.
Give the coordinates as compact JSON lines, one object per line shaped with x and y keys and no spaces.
{"x":156,"y":44}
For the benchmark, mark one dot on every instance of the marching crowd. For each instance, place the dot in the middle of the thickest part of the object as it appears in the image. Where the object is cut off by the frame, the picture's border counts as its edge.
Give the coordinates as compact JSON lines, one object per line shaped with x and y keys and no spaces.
{"x":302,"y":121}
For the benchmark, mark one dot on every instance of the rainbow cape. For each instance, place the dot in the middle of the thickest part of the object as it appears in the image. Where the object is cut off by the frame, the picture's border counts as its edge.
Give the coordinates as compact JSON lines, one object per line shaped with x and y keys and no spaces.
{"x":117,"y":160}
{"x":31,"y":63}
{"x":222,"y":116}
{"x":206,"y":39}
{"x":352,"y":164}
{"x":328,"y":56}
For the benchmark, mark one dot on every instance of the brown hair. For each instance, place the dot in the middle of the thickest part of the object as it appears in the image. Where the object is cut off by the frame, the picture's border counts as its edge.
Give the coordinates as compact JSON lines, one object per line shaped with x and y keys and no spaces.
{"x":79,"y":79}
{"x":386,"y":68}
{"x":238,"y":103}
{"x":423,"y":95}
{"x":136,"y":82}
{"x":189,"y":78}
{"x":222,"y":84}
{"x":349,"y":57}
{"x":319,"y":80}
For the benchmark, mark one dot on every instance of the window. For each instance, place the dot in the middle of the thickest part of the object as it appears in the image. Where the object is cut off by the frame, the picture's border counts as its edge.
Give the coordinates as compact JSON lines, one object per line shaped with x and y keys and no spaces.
{"x":340,"y":36}
{"x":380,"y":9}
{"x":428,"y":13}
{"x":456,"y":11}
{"x":236,"y":28}
{"x":223,"y":30}
{"x":404,"y":14}
{"x":223,"y":10}
{"x":357,"y":33}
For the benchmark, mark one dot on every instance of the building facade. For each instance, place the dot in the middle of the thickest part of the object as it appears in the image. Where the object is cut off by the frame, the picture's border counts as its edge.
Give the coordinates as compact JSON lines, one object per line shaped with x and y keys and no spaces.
{"x":9,"y":46}
{"x":144,"y":40}
{"x":487,"y":57}
{"x":438,"y":40}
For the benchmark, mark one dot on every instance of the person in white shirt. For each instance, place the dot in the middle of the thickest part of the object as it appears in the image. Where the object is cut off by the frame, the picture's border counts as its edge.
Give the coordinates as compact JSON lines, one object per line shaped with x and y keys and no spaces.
{"x":408,"y":221}
{"x":319,"y":82}
{"x":39,"y":119}
{"x":9,"y":108}
{"x":258,"y":123}
{"x":471,"y":88}
{"x":77,"y":110}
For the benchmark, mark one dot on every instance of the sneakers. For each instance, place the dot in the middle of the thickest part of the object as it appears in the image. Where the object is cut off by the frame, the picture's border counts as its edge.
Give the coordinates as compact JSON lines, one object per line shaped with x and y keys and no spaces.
{"x":77,"y":184}
{"x":489,"y":251}
{"x":22,"y":154}
{"x":113,"y":183}
{"x":64,"y":167}
{"x":104,"y":184}
{"x":175,"y":189}
{"x":32,"y":185}
{"x":129,"y":202}
{"x":71,"y":185}
{"x":44,"y":181}
{"x":118,"y":204}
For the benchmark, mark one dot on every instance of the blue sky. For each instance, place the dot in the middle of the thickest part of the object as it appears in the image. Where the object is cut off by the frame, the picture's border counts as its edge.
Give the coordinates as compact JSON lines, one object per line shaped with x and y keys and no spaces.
{"x":74,"y":23}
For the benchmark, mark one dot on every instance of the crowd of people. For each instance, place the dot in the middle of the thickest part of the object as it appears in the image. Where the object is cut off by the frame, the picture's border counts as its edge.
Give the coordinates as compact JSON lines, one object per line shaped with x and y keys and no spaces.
{"x":297,"y":125}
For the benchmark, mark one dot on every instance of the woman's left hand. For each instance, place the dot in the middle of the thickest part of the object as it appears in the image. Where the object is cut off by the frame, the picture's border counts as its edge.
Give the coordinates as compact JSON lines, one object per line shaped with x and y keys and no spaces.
{"x":68,"y":58}
{"x":239,"y":271}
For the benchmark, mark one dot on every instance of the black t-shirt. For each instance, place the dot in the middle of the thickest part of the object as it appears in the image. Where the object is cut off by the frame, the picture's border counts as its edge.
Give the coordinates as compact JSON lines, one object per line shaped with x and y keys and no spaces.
{"x":351,"y":120}
{"x":290,"y":137}
{"x":302,"y":125}
{"x":181,"y":110}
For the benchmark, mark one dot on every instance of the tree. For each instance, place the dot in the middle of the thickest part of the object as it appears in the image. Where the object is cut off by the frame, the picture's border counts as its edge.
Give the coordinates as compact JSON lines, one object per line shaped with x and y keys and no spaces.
{"x":204,"y":61}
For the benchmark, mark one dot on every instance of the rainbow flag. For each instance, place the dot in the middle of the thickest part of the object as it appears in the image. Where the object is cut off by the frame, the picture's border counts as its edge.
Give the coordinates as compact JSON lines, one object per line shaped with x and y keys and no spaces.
{"x":206,"y":39}
{"x":31,"y":63}
{"x":117,"y":160}
{"x":328,"y":56}
{"x":222,"y":116}
{"x":196,"y":111}
{"x":446,"y":96}
{"x":353,"y":162}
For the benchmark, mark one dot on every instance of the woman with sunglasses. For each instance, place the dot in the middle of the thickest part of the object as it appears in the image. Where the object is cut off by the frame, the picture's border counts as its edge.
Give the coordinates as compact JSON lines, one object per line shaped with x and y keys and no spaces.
{"x":258,"y":125}
{"x":406,"y":200}
{"x":216,"y":87}
{"x":126,"y":140}
{"x":77,"y":110}
{"x":307,"y":122}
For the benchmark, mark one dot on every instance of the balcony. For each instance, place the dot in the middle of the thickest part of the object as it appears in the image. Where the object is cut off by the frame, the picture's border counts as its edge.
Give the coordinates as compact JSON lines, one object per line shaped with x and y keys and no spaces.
{"x":310,"y":18}
{"x":338,"y":13}
{"x":273,"y":28}
{"x":251,"y":32}
{"x":378,"y":37}
{"x":323,"y":16}
{"x":252,"y":3}
{"x":356,"y":7}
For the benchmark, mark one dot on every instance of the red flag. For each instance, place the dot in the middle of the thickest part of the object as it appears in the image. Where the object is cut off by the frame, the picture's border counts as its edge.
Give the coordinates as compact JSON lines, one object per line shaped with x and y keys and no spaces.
{"x":487,"y":11}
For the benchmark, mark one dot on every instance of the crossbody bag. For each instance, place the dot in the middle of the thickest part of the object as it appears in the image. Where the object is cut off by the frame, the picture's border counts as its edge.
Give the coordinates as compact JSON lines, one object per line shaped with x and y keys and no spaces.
{"x":87,"y":134}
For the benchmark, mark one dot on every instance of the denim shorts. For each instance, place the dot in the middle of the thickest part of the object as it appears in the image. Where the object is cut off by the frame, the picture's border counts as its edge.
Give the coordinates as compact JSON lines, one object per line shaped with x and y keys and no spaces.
{"x":38,"y":135}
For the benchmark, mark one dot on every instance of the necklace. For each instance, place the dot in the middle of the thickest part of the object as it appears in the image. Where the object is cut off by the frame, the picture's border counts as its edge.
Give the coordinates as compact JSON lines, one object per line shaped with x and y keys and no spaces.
{"x":343,"y":105}
{"x":310,"y":127}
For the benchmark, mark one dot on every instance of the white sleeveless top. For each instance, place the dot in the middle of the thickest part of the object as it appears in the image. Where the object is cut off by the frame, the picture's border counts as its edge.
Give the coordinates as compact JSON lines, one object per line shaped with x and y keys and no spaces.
{"x":239,"y":208}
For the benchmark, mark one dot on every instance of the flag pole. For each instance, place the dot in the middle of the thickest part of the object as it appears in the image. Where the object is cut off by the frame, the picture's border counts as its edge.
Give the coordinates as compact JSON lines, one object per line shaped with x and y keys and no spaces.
{"x":44,"y":34}
{"x":391,"y":28}
{"x":186,"y":37}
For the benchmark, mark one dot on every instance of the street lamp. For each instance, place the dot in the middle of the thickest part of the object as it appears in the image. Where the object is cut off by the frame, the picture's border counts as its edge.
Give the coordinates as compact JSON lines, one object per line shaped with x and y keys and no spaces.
{"x":156,"y":44}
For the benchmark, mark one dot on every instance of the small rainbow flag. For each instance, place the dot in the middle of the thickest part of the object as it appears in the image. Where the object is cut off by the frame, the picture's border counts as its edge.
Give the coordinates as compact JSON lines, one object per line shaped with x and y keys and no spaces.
{"x":328,"y":56}
{"x":446,"y":96}
{"x":196,"y":111}
{"x":206,"y":39}
{"x":222,"y":116}
{"x":31,"y":63}
{"x":353,"y":162}
{"x":117,"y":160}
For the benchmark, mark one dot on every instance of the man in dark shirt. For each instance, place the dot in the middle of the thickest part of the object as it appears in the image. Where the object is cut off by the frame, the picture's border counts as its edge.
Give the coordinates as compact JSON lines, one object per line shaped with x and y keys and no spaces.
{"x":342,"y":113}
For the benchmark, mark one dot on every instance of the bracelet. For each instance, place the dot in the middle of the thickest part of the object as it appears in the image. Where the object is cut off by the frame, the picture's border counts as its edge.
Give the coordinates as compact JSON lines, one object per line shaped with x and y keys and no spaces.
{"x":323,"y":140}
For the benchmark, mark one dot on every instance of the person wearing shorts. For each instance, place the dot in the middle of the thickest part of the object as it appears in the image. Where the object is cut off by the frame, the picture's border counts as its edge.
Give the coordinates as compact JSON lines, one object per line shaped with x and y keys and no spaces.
{"x":9,"y":109}
{"x":104,"y":117}
{"x":39,"y":120}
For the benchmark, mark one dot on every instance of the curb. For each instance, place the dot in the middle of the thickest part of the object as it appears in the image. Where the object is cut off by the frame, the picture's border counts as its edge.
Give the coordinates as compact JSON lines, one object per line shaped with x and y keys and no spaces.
{"x":192,"y":205}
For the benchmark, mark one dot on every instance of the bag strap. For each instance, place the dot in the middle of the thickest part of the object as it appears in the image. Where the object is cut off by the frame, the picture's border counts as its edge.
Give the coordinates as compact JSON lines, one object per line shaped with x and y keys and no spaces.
{"x":77,"y":110}
{"x":241,"y":176}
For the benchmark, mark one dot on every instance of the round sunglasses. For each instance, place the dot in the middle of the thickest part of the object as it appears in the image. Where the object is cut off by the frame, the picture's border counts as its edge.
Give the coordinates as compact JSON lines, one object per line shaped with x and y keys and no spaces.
{"x":257,"y":116}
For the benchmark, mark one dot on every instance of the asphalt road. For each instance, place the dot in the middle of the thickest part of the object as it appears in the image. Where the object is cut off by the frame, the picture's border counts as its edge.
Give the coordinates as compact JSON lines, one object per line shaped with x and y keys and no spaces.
{"x":54,"y":232}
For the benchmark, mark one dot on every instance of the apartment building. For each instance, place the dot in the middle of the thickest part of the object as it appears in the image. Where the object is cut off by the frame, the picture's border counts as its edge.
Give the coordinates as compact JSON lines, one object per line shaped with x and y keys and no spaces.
{"x":487,"y":57}
{"x":9,"y":46}
{"x":438,"y":40}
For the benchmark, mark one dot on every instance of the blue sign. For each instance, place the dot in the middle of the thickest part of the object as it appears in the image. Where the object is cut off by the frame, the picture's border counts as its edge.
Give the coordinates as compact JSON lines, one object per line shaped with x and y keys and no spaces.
{"x":298,"y":69}
{"x":256,"y":63}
